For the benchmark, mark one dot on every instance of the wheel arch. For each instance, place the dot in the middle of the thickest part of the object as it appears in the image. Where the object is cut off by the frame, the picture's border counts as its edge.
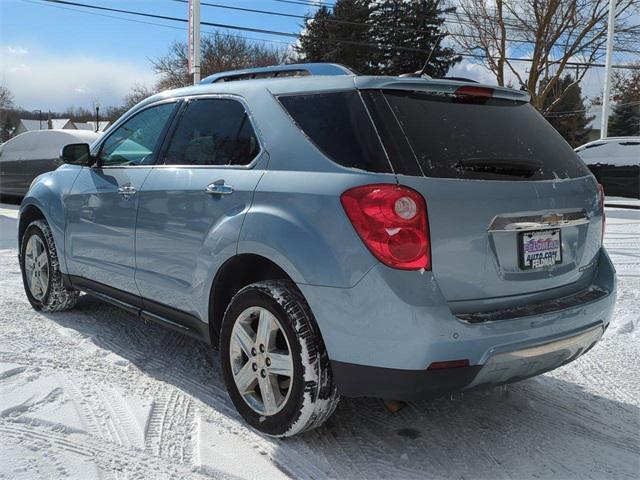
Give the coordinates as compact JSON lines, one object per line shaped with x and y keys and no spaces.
{"x":28,"y":214}
{"x":238,"y":272}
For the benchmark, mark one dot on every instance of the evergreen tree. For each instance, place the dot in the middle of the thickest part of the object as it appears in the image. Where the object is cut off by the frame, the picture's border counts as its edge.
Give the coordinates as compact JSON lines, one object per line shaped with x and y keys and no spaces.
{"x":416,"y":26}
{"x":567,"y":115}
{"x":365,"y":36}
{"x":337,"y":36}
{"x":625,"y":120}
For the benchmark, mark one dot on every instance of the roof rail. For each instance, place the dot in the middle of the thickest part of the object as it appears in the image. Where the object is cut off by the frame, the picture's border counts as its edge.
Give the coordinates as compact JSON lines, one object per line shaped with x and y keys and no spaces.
{"x":275,"y":71}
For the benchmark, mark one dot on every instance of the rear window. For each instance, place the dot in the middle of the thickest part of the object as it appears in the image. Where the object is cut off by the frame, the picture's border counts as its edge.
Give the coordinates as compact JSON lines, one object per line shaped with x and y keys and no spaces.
{"x":339,"y":125}
{"x":494,"y":139}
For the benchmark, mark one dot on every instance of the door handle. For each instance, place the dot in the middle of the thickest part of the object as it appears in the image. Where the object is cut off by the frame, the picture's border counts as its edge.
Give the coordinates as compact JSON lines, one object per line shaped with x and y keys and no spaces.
{"x":126,"y":191}
{"x":219,"y":188}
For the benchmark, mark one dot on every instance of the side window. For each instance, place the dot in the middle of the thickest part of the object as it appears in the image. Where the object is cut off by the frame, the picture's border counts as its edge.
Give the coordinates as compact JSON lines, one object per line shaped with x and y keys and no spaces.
{"x":213,"y":131}
{"x":340,"y":127}
{"x":133,"y":142}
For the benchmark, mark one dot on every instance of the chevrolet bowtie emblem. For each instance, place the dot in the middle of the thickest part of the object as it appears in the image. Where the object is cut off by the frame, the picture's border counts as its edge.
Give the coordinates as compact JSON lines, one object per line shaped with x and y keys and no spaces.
{"x":553,"y":218}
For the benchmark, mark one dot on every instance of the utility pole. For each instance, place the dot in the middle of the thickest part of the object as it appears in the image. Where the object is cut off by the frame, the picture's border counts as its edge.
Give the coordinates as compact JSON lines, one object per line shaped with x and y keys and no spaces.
{"x":97,"y":105}
{"x":194,"y":40}
{"x":607,"y":71}
{"x":39,"y":118}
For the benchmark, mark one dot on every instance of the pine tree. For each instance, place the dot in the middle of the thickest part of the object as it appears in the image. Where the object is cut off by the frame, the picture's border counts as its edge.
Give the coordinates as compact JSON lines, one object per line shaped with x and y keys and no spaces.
{"x":416,"y":26}
{"x":365,"y":36}
{"x":338,"y":36}
{"x":567,"y":115}
{"x":625,"y":119}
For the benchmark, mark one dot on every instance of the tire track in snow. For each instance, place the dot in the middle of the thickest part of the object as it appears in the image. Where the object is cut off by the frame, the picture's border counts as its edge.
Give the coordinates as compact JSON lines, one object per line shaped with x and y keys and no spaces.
{"x":108,"y":457}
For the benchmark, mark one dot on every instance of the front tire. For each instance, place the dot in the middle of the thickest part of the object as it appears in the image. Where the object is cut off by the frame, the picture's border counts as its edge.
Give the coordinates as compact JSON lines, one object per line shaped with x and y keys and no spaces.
{"x":274,"y":361}
{"x":41,"y":274}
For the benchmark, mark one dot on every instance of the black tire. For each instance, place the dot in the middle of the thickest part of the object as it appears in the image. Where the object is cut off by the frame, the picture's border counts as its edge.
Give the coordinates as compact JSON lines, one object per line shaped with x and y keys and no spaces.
{"x":313,"y":396}
{"x":56,"y":297}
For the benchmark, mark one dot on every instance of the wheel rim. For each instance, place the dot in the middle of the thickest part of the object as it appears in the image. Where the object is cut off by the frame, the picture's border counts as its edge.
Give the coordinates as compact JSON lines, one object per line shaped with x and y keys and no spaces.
{"x":261,"y":360}
{"x":36,"y":265}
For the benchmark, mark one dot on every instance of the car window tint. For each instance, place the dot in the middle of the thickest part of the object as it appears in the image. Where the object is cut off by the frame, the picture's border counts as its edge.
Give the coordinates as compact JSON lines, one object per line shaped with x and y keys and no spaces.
{"x":494,"y":139}
{"x":133,"y":142}
{"x":338,"y":124}
{"x":213,"y":132}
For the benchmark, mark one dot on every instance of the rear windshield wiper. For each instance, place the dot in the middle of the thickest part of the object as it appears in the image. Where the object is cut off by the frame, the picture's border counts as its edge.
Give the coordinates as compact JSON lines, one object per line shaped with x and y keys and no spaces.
{"x":512,"y":167}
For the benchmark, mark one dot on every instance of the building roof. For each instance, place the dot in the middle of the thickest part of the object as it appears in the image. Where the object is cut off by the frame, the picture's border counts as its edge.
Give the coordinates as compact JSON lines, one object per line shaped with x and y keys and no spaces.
{"x":102,"y":125}
{"x":60,"y":123}
{"x":30,"y":125}
{"x":85,"y":126}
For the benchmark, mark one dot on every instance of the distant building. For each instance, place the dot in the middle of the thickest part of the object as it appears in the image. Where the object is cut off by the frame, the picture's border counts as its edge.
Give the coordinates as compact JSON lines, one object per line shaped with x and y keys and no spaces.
{"x":25,"y":125}
{"x":85,"y":126}
{"x":102,"y":125}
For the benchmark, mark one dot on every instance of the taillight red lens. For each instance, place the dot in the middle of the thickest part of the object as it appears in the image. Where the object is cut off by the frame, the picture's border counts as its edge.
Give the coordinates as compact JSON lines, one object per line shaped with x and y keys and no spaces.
{"x":392,"y":222}
{"x":601,"y":192}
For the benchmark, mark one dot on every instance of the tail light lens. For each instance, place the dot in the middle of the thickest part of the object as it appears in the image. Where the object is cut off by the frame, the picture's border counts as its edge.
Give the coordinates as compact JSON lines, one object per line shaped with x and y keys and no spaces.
{"x":392,"y":222}
{"x":601,"y":192}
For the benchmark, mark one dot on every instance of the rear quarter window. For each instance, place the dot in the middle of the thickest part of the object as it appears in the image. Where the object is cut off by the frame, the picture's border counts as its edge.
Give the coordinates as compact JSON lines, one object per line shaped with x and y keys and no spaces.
{"x":339,"y":125}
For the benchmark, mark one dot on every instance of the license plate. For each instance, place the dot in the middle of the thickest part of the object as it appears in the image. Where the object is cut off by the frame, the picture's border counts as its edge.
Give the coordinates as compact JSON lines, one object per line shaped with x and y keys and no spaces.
{"x":540,"y":248}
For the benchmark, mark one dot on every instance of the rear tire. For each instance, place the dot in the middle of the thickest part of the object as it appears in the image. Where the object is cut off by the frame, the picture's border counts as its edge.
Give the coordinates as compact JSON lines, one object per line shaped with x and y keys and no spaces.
{"x":45,"y":289}
{"x":305,"y":397}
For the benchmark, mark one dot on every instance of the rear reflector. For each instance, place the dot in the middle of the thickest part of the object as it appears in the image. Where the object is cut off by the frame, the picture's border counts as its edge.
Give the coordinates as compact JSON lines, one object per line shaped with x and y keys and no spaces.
{"x":448,"y":364}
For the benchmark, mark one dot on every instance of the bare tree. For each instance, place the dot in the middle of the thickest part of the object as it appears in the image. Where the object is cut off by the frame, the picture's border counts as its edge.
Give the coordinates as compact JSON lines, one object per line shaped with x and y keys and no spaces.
{"x":6,"y":98}
{"x":554,"y":34}
{"x":219,"y":52}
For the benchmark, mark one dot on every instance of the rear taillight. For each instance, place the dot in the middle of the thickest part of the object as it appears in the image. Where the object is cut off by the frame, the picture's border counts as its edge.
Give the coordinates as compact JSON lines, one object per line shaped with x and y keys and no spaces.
{"x":392,"y":222}
{"x":601,"y":192}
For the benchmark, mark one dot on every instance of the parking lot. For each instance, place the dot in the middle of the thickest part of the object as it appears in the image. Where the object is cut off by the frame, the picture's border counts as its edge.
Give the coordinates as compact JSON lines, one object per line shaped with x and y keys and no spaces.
{"x":95,"y":393}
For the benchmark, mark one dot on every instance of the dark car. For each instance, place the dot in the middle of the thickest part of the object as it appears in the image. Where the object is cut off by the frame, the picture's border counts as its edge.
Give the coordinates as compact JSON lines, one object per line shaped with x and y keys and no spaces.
{"x":30,"y":154}
{"x":615,"y":162}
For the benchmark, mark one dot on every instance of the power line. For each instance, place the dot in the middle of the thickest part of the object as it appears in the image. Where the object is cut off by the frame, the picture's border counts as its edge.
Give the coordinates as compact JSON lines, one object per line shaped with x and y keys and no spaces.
{"x":294,"y":35}
{"x":38,"y":2}
{"x":361,"y":24}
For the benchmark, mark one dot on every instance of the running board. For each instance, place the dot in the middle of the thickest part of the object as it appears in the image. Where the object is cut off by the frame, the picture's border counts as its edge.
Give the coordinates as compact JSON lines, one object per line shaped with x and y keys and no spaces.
{"x":146,"y":310}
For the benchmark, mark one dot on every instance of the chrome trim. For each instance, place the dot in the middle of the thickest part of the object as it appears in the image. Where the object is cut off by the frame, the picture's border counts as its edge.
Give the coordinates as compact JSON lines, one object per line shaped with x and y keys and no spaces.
{"x":517,"y":223}
{"x":523,"y":363}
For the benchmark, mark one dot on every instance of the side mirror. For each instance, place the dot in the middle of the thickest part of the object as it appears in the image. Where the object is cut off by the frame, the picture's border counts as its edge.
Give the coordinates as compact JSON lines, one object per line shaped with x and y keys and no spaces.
{"x":76,"y":154}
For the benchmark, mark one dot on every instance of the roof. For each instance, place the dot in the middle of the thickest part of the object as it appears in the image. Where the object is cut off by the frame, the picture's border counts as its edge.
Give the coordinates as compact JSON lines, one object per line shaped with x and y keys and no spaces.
{"x":43,"y":144}
{"x":275,"y":71}
{"x":318,"y":83}
{"x":85,"y":125}
{"x":30,"y":125}
{"x":58,"y":123}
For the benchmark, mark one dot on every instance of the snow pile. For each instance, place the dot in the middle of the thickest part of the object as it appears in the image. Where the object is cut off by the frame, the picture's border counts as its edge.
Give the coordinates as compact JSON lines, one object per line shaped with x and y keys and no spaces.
{"x":92,"y":393}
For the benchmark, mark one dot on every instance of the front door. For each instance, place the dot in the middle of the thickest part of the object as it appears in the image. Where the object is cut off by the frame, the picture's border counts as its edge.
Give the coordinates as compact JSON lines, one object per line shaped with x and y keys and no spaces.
{"x":191,"y":207}
{"x":103,"y":202}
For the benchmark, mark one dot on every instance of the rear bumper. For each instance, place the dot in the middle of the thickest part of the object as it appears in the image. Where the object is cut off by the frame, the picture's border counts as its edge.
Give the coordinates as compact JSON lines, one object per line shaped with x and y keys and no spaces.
{"x":500,"y":368}
{"x":382,"y":334}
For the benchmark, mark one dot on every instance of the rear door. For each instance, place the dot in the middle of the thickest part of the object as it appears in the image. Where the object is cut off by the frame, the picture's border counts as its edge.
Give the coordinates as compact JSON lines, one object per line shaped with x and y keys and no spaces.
{"x":192,"y":206}
{"x":103,"y":203}
{"x":501,"y":185}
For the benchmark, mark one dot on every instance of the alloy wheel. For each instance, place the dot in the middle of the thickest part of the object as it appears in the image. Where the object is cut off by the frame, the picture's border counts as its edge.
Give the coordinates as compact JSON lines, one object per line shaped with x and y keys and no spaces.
{"x":36,"y":264}
{"x":261,"y":360}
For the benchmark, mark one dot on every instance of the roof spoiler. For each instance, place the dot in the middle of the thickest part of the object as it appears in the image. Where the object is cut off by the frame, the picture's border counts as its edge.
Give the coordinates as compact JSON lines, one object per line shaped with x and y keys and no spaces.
{"x":275,"y":71}
{"x":442,"y":86}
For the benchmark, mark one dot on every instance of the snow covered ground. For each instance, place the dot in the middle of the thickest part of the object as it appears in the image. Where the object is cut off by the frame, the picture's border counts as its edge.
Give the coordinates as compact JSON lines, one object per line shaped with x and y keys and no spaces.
{"x":93,"y":393}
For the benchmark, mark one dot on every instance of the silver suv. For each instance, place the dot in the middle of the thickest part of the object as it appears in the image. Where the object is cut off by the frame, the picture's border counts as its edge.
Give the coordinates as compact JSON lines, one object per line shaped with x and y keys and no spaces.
{"x":334,"y":234}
